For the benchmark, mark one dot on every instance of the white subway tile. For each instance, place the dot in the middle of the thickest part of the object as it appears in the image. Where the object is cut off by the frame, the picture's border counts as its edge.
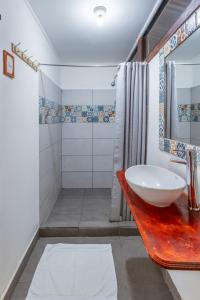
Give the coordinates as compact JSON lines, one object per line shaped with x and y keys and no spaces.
{"x":183,"y":130}
{"x":77,"y":179}
{"x":48,"y":135}
{"x":104,"y":130}
{"x":77,"y":97}
{"x":104,"y":97}
{"x":195,"y":132}
{"x":48,"y":89}
{"x":103,"y":146}
{"x":102,"y":179}
{"x":183,"y":95}
{"x":103,"y":163}
{"x":77,"y":130}
{"x":76,"y":163}
{"x":77,"y":147}
{"x":45,"y":161}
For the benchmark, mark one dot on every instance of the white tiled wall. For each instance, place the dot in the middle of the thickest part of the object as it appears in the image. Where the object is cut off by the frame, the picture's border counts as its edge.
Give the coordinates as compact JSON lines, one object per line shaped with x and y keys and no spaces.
{"x":77,"y":146}
{"x":87,"y":149}
{"x":195,"y":126}
{"x":50,"y":155}
{"x":103,"y":146}
{"x":102,"y":179}
{"x":188,"y":132}
{"x":183,"y":128}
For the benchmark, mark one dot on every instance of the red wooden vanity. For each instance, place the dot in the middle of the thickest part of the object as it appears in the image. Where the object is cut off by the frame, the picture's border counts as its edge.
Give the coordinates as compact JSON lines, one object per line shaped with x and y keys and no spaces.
{"x":171,"y":235}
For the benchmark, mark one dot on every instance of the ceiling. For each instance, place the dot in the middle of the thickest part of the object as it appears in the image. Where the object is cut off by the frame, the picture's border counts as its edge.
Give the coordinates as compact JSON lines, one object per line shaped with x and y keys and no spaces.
{"x":71,"y":26}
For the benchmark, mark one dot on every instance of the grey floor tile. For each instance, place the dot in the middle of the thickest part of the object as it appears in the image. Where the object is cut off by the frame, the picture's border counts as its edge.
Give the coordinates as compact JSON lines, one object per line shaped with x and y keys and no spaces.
{"x":144,"y":279}
{"x":97,"y":192}
{"x":99,"y":224}
{"x":132,"y":247}
{"x":127,"y":224}
{"x":65,"y":203}
{"x":93,"y":215}
{"x":80,"y":205}
{"x":72,"y":193}
{"x":58,"y":218}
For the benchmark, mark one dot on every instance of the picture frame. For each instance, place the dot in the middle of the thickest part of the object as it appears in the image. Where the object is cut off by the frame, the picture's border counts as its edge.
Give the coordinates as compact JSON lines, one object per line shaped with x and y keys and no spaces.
{"x":8,"y":64}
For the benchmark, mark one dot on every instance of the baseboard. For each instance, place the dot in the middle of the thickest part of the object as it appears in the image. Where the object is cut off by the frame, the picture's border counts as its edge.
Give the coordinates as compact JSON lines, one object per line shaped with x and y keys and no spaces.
{"x":92,"y":231}
{"x":8,"y":293}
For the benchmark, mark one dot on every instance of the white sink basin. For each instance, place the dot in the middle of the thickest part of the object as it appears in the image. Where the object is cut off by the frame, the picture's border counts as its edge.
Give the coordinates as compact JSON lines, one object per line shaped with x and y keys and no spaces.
{"x":156,"y":186}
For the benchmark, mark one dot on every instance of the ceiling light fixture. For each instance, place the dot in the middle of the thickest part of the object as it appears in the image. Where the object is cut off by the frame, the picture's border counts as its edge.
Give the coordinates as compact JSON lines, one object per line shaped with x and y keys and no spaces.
{"x":100,"y":12}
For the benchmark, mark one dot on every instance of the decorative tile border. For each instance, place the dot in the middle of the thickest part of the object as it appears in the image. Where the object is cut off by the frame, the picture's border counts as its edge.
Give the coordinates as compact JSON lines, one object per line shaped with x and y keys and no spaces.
{"x":189,"y":112}
{"x":88,"y":113}
{"x":51,"y":113}
{"x":190,"y":26}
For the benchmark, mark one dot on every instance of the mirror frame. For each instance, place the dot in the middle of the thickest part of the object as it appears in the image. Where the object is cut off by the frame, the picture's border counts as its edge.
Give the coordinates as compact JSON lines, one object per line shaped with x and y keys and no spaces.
{"x":183,"y":32}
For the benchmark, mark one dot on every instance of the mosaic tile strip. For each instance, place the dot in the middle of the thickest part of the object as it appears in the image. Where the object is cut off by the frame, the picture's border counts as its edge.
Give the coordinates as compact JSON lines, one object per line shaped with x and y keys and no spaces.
{"x":49,"y":111}
{"x":189,"y":112}
{"x":185,"y":30}
{"x":88,"y":113}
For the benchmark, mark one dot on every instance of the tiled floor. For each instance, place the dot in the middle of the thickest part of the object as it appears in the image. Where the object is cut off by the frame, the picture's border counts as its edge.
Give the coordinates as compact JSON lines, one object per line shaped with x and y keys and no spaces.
{"x":75,"y":206}
{"x":138,"y":277}
{"x":83,"y":208}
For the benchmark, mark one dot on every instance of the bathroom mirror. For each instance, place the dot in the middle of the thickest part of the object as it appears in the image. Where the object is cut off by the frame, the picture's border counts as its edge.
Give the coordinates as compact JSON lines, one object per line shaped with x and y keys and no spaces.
{"x":179,"y":89}
{"x":182,"y":97}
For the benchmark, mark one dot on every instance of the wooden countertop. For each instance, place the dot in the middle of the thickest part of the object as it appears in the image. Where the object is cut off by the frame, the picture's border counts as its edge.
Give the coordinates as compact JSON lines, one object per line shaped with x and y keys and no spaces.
{"x":171,"y":235}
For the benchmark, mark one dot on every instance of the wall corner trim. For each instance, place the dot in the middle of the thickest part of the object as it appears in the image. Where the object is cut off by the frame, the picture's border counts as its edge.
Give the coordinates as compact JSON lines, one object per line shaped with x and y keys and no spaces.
{"x":35,"y":17}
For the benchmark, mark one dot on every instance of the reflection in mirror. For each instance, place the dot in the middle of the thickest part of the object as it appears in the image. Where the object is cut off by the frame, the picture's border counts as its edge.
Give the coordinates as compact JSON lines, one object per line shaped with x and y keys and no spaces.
{"x":182,"y":101}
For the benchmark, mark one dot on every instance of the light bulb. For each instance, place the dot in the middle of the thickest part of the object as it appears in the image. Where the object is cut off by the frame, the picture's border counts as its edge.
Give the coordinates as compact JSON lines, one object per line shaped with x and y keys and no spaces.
{"x":100,"y":12}
{"x":100,"y":21}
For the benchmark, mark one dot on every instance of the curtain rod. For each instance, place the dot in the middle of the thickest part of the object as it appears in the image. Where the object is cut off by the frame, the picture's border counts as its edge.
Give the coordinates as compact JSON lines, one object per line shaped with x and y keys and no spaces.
{"x":80,"y":66}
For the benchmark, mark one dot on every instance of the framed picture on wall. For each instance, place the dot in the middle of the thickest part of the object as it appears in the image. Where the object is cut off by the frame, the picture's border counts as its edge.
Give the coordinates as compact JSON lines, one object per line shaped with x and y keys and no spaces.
{"x":8,"y":64}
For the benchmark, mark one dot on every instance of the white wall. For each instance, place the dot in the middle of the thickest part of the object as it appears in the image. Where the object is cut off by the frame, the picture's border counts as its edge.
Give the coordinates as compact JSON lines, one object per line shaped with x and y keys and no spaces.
{"x":19,"y":137}
{"x":87,"y":78}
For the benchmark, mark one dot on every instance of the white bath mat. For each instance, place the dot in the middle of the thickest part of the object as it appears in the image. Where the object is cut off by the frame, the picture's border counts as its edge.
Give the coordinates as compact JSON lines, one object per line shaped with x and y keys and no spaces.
{"x":75,"y":272}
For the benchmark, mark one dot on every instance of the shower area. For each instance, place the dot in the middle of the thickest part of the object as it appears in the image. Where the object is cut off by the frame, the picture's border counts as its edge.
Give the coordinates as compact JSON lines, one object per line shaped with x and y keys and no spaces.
{"x":77,"y":139}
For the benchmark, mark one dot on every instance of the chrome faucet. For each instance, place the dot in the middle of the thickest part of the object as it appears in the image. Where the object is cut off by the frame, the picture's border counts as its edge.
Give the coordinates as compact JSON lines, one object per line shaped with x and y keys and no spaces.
{"x":191,"y":178}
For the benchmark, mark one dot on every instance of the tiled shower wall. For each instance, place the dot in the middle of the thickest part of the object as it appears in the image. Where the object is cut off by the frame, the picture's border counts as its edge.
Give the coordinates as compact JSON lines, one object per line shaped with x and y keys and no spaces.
{"x":50,"y":129}
{"x":88,"y":137}
{"x":189,"y":115}
{"x":194,"y":129}
{"x":183,"y":128}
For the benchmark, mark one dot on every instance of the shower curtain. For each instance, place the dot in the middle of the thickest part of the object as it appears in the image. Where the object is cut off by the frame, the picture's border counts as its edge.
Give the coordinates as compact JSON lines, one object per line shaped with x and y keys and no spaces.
{"x":171,"y":110}
{"x":131,"y":127}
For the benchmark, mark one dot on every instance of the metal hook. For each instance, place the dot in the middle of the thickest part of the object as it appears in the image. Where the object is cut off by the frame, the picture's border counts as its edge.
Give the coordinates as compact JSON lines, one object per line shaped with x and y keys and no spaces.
{"x":17,"y":44}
